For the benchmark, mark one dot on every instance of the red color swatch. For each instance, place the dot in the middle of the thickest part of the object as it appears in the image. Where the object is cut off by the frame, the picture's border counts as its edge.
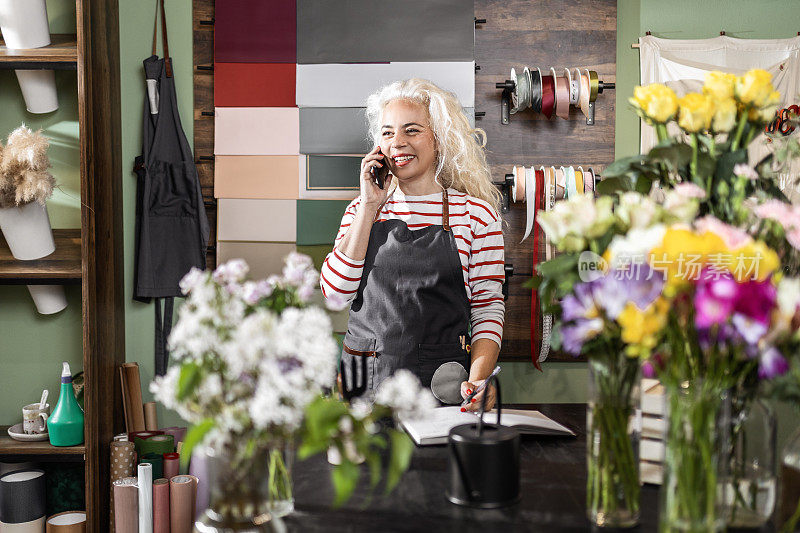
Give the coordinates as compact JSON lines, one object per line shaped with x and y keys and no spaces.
{"x":254,"y":84}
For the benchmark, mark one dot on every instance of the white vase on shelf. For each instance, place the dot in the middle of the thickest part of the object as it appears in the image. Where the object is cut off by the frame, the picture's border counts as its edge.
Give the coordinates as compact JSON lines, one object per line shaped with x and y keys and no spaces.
{"x":24,"y":25}
{"x":27,"y":231}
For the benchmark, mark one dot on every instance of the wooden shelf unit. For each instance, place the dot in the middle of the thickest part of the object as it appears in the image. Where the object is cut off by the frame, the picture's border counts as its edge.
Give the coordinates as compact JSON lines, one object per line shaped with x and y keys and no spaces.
{"x":91,"y":256}
{"x":9,"y":446}
{"x":61,"y":267}
{"x":61,"y":54}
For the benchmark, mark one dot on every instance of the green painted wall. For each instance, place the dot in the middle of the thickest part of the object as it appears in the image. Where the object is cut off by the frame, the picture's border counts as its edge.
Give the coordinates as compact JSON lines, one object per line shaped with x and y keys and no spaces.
{"x":32,"y":346}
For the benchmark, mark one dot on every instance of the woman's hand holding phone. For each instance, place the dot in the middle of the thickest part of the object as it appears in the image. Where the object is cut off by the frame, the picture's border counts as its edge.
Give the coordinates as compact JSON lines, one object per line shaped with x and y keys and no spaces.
{"x":373,"y":196}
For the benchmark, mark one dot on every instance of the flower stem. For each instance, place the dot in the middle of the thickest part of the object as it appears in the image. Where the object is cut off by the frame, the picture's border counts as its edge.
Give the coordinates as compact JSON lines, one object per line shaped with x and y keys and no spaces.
{"x":739,"y":130}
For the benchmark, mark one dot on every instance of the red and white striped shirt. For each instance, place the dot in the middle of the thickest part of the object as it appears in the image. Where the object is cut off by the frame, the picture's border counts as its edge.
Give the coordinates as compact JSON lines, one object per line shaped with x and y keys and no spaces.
{"x":479,"y":238}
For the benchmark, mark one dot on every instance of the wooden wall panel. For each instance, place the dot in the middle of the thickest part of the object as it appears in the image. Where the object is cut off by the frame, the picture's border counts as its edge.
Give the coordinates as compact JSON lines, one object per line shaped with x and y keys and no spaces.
{"x":540,"y":33}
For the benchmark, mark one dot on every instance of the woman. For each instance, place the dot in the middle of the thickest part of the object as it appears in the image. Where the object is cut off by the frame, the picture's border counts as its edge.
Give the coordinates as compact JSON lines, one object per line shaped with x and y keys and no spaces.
{"x":421,"y":259}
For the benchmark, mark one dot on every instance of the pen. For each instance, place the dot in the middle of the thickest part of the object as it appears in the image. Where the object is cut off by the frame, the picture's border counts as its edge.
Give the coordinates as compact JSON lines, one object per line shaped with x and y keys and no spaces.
{"x":481,"y":386}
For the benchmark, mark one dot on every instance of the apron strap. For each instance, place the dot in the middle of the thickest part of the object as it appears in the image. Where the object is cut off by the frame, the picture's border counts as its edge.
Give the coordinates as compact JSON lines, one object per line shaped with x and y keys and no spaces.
{"x":445,"y":211}
{"x":164,"y":40}
{"x":163,"y":329}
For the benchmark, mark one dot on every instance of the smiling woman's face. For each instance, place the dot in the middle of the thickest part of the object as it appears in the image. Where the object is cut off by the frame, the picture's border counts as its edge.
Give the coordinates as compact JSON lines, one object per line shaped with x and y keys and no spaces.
{"x":408,"y":141}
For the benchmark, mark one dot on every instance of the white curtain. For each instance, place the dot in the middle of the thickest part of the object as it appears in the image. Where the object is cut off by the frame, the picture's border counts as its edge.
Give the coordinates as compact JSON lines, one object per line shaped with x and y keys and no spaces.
{"x":682,"y":65}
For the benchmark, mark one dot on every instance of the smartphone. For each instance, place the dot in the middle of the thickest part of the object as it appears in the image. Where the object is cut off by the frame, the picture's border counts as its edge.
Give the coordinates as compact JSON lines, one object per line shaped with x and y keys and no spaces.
{"x":379,"y":173}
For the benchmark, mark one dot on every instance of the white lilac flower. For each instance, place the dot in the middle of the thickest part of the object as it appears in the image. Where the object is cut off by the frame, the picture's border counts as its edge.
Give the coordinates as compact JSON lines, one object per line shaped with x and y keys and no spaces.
{"x":306,"y":293}
{"x":682,"y":203}
{"x":569,"y":223}
{"x":636,"y":210}
{"x":295,"y":267}
{"x":633,"y":248}
{"x":346,"y":424}
{"x":336,"y":302}
{"x":191,"y":279}
{"x":360,"y":409}
{"x":404,"y":395}
{"x":234,"y":270}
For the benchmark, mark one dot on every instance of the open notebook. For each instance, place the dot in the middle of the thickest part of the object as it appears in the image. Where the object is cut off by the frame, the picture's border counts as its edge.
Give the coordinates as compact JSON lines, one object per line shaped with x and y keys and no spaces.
{"x":435,"y":428}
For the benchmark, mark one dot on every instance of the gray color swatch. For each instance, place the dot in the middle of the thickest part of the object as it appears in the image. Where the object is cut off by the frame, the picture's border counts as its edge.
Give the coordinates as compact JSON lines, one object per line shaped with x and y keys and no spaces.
{"x":371,"y":31}
{"x":339,"y":130}
{"x":332,"y":172}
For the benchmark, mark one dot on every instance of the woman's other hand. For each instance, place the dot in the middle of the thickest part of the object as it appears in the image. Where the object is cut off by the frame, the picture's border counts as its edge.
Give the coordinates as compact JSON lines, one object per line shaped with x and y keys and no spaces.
{"x":467,"y":387}
{"x":373,"y":196}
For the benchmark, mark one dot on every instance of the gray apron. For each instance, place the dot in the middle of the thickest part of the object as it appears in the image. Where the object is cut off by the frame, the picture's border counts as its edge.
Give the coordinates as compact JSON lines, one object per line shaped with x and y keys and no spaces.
{"x":171,"y":226}
{"x":411,"y":310}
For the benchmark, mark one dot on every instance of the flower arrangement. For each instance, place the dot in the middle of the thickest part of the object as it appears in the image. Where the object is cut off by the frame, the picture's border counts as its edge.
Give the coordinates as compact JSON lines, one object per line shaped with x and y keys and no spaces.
{"x":23,"y":169}
{"x":253,"y":363}
{"x":677,"y":266}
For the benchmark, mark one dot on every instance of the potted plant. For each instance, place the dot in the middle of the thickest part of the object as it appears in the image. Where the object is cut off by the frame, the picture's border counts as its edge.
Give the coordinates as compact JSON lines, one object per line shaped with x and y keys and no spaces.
{"x":25,"y":186}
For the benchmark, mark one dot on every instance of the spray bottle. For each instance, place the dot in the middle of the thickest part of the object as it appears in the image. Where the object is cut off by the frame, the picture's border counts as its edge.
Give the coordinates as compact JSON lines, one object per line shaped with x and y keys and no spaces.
{"x":65,"y":425}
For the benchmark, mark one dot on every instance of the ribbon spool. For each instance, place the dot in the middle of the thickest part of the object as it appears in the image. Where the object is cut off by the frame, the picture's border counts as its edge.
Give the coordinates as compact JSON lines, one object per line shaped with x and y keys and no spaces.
{"x":536,"y":89}
{"x":562,"y":96}
{"x":594,"y":85}
{"x":518,"y":187}
{"x":585,"y":94}
{"x":548,"y":95}
{"x":521,"y":95}
{"x":578,"y":180}
{"x":575,"y":87}
{"x":530,"y":198}
{"x":591,"y":185}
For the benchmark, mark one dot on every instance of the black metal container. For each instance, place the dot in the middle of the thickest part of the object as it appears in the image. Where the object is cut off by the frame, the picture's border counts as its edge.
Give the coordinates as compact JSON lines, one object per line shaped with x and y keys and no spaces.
{"x":483,"y":463}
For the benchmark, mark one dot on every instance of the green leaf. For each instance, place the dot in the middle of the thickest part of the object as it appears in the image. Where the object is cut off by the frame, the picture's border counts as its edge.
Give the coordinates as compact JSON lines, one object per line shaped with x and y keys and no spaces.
{"x":533,"y":283}
{"x":676,"y":155}
{"x":188,"y":380}
{"x":643,"y":184}
{"x":727,"y":161}
{"x":706,"y":165}
{"x":193,"y":437}
{"x":375,"y":467}
{"x":555,"y":337}
{"x":402,"y":449}
{"x":620,"y":167}
{"x":344,"y":477}
{"x":558,"y":265}
{"x":611,"y":185}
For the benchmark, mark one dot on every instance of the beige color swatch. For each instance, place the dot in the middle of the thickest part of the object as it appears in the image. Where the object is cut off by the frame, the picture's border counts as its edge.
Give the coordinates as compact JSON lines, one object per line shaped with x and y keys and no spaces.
{"x":264,"y":258}
{"x":257,"y":220}
{"x":256,"y":131}
{"x":257,"y":176}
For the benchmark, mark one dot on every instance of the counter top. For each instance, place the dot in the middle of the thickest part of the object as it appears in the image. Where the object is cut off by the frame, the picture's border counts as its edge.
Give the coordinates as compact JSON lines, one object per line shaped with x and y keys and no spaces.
{"x":552,"y":479}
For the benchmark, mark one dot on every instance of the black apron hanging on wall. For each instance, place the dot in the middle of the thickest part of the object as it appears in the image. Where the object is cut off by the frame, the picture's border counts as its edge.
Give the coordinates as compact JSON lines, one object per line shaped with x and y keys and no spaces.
{"x":171,"y":226}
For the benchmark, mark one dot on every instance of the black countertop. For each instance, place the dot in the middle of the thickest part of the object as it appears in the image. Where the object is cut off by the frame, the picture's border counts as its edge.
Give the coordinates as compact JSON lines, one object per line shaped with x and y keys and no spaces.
{"x":552,"y":479}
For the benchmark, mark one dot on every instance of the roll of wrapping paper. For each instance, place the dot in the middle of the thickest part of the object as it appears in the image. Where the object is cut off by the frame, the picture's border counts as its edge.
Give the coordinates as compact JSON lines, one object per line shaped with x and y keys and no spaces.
{"x":161,"y":506}
{"x":548,"y":95}
{"x":182,"y":496}
{"x":67,"y":522}
{"x":140,"y":438}
{"x":123,"y":464}
{"x":156,"y":460}
{"x":530,"y":193}
{"x":143,"y":435}
{"x":150,"y":416}
{"x":121,"y":437}
{"x":535,"y":308}
{"x":145,"y":486}
{"x":178,"y":433}
{"x":562,"y":95}
{"x":172,"y":463}
{"x":6,"y":467}
{"x":22,"y":498}
{"x":159,"y":444}
{"x":132,"y":397}
{"x":126,"y":505}
{"x":34,"y":526}
{"x":536,"y":89}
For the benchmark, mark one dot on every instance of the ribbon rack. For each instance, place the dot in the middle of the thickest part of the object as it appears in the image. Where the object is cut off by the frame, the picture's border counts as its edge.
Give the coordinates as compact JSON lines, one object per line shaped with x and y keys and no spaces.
{"x":551,"y":94}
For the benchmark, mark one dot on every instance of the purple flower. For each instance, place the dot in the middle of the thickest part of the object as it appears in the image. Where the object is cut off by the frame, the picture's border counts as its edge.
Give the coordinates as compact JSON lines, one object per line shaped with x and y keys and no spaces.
{"x":579,"y":304}
{"x":648,"y":369}
{"x":574,"y":335}
{"x":756,"y":300}
{"x":710,"y":311}
{"x":750,"y":329}
{"x":771,"y":364}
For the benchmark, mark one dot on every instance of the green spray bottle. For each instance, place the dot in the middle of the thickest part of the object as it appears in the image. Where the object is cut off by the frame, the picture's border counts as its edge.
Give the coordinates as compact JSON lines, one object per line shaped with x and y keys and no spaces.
{"x":65,"y":425}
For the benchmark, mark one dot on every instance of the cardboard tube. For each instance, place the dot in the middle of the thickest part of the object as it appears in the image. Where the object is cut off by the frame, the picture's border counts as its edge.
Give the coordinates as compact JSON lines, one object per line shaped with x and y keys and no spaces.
{"x":67,"y":522}
{"x":159,"y":444}
{"x":157,"y":462}
{"x":161,"y":506}
{"x":172,"y":463}
{"x":132,"y":397}
{"x":182,"y":490}
{"x":145,"y":485}
{"x":178,"y":433}
{"x":123,"y":463}
{"x":126,"y":505}
{"x":150,"y":416}
{"x":22,"y":497}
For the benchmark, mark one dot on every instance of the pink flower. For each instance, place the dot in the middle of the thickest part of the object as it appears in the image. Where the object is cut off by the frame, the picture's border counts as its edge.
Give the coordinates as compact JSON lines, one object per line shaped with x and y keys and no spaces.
{"x":793,"y":236}
{"x":733,"y":237}
{"x":746,"y":171}
{"x":689,"y":190}
{"x":785,"y":214}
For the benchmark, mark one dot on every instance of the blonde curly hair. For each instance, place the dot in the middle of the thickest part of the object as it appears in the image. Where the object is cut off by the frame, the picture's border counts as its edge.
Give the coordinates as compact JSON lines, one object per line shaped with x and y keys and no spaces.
{"x":461,"y":162}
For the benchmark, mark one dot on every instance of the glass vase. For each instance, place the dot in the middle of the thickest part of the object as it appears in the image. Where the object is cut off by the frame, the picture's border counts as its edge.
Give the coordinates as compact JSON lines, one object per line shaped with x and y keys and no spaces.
{"x":695,"y":449}
{"x":749,"y":483}
{"x":612,"y":441}
{"x":789,"y":519}
{"x":249,"y":489}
